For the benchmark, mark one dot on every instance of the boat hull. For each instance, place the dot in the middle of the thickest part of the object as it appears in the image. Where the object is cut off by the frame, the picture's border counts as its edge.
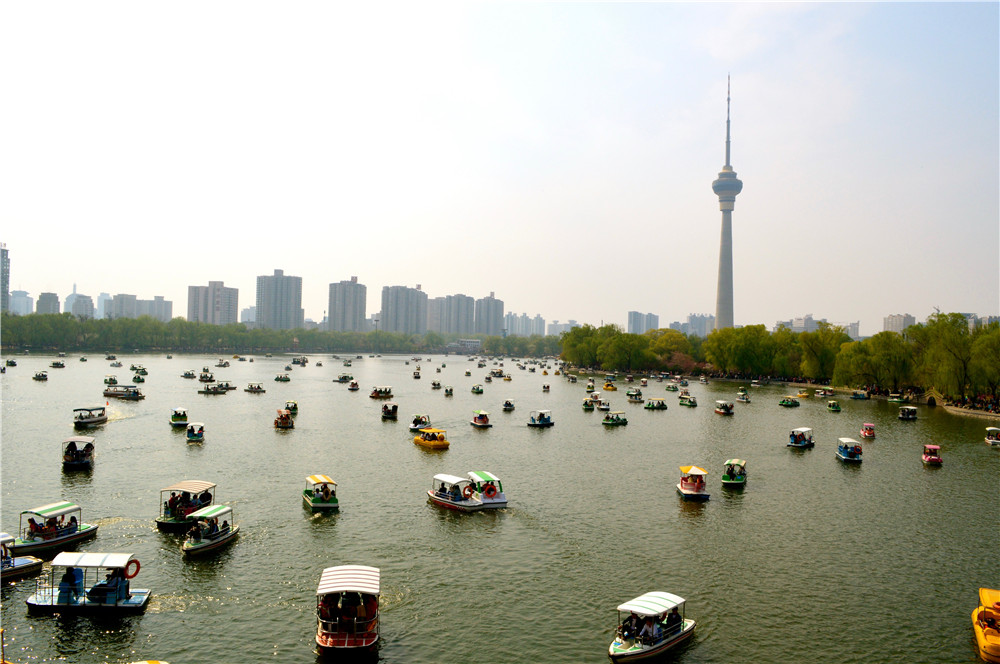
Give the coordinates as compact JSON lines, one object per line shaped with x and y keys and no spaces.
{"x":638,"y":653}
{"x":480,"y":425}
{"x":541,"y":425}
{"x":847,"y":459}
{"x":688,"y":494}
{"x":78,"y":465}
{"x":168,"y":525}
{"x":90,"y":422}
{"x":320,"y":505}
{"x":66,"y":543}
{"x":208,"y":546}
{"x":21,"y":566}
{"x":932,"y":461}
{"x":47,"y":600}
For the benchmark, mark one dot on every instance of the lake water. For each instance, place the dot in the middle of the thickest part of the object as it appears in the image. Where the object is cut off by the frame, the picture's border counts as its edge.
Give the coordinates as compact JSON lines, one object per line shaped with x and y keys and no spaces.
{"x":814,"y":560}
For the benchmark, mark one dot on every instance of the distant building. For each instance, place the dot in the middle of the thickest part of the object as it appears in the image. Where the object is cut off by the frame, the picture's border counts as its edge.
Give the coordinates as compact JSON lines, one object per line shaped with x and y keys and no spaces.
{"x":452,"y":314}
{"x":4,"y":278}
{"x":48,"y":303}
{"x":639,"y":323}
{"x":215,"y":304}
{"x":804,"y":324}
{"x":523,"y":326}
{"x":700,"y":325}
{"x":124,"y":305}
{"x":489,"y":315}
{"x":897,"y":322}
{"x":21,"y":303}
{"x":70,"y":299}
{"x":556,"y":328}
{"x":279,"y":302}
{"x":404,"y":310}
{"x":248,"y":315}
{"x":347,"y":307}
{"x":158,"y":308}
{"x":103,"y":306}
{"x":82,"y":307}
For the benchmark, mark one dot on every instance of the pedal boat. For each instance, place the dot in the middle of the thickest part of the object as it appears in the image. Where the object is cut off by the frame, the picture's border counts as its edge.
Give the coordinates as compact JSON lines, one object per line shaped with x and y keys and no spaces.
{"x":390,"y":411}
{"x":833,"y":406}
{"x":284,"y":420}
{"x":89,"y":417}
{"x":254,"y":388}
{"x":477,"y":389}
{"x":615,"y":418}
{"x":908,"y":413}
{"x":47,"y":534}
{"x":508,"y":405}
{"x":634,"y":396}
{"x":692,"y":484}
{"x":481,"y":490}
{"x":354,"y":387}
{"x":655,"y":403}
{"x":986,"y":624}
{"x":449,"y":391}
{"x":179,"y":418}
{"x":743,"y":398}
{"x":195,"y":432}
{"x":347,"y":609}
{"x":849,"y":450}
{"x":735,"y":475}
{"x":432,"y":438}
{"x":666,"y":615}
{"x":420,"y":421}
{"x":282,"y":378}
{"x":993,"y":436}
{"x":688,"y":400}
{"x":292,"y":407}
{"x":540,"y":419}
{"x":801,"y":437}
{"x":480,"y":419}
{"x":14,"y":567}
{"x":320,"y":493}
{"x":78,"y":453}
{"x":74,"y":584}
{"x":381,"y":392}
{"x":932,"y":455}
{"x":210,"y":536}
{"x":588,"y":404}
{"x":867,"y":430}
{"x":185,"y":497}
{"x":788,"y":401}
{"x":724,"y":407}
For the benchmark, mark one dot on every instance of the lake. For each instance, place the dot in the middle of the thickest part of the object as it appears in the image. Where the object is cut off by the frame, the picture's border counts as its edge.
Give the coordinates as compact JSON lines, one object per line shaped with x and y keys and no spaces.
{"x":814,"y":560}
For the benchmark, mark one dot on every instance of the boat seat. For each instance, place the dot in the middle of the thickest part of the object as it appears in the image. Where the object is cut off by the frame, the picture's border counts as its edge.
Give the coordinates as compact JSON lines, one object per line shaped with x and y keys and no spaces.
{"x":989,"y":632}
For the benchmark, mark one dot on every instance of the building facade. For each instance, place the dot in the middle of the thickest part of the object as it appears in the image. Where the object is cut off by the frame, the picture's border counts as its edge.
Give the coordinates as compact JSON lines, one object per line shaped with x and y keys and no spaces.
{"x":897,"y":322}
{"x":21,"y":303}
{"x":4,"y":278}
{"x":215,"y":304}
{"x":158,"y":308}
{"x":82,"y":307}
{"x":279,"y":302}
{"x":452,"y":314}
{"x":489,"y":315}
{"x":48,"y":303}
{"x":348,"y":306}
{"x":404,"y":310}
{"x":639,"y":323}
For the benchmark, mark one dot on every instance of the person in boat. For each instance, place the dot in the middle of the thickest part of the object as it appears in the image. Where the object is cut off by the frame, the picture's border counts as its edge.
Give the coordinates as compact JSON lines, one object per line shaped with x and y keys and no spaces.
{"x":327,"y":493}
{"x":329,"y":607}
{"x":630,"y":626}
{"x":673,"y":620}
{"x":88,"y":450}
{"x":68,"y":585}
{"x":348,"y":613}
{"x":171,"y":503}
{"x":194,"y":534}
{"x":225,"y":527}
{"x":206,"y":497}
{"x":73,"y":524}
{"x":442,"y":491}
{"x":71,"y":448}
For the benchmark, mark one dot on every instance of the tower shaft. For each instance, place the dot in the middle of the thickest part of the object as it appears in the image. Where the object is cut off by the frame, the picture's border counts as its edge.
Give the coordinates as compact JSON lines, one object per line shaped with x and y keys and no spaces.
{"x":726,"y":187}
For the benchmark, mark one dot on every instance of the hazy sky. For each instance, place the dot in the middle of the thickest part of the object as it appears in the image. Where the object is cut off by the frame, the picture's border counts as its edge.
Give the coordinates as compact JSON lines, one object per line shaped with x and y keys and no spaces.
{"x":561,"y":155}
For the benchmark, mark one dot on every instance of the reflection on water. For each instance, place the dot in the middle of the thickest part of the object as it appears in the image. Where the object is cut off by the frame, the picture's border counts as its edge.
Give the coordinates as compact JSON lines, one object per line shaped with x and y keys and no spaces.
{"x":594,"y":520}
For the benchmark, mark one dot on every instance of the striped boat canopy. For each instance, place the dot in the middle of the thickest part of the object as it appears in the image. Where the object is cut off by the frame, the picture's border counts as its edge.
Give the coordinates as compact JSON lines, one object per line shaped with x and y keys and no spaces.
{"x":480,"y":412}
{"x":736,"y":462}
{"x":432,"y":430}
{"x":83,"y":440}
{"x":90,"y":559}
{"x":349,"y":578}
{"x":483,"y":476}
{"x":191,"y":486}
{"x":320,"y":479}
{"x":693,"y":470}
{"x":652,"y":604}
{"x":211,"y":512}
{"x":449,"y":479}
{"x":55,"y":509}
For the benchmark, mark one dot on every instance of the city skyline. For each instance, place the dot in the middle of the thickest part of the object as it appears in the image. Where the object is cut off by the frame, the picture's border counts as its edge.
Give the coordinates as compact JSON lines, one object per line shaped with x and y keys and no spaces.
{"x":447,"y":158}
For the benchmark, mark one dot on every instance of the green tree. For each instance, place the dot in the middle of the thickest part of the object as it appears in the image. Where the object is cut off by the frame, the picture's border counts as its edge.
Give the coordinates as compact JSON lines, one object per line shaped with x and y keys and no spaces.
{"x":819,"y":350}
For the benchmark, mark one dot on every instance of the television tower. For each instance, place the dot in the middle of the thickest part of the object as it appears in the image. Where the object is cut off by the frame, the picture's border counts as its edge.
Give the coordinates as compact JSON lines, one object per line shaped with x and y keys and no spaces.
{"x":726,"y":187}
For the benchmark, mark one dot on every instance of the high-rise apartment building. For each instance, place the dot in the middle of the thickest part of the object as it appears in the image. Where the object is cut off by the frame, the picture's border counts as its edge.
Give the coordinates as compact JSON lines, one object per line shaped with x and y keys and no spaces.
{"x":48,"y":303}
{"x":700,"y":325}
{"x":82,"y":306}
{"x":124,"y":305}
{"x":348,"y":306}
{"x":21,"y":303}
{"x":452,"y":314}
{"x":4,"y":278}
{"x":489,"y":315}
{"x":897,"y":322}
{"x":279,"y":302}
{"x":215,"y":304}
{"x":638,"y":323}
{"x":158,"y":308}
{"x":404,"y":310}
{"x":103,"y":306}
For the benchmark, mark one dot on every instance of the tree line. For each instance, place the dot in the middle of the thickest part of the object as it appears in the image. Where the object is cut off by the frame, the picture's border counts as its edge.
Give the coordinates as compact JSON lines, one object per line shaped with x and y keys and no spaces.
{"x":943,"y":353}
{"x":65,"y":332}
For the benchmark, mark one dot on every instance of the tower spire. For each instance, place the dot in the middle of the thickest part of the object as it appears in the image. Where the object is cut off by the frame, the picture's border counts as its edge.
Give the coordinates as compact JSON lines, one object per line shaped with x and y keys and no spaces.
{"x":727,"y":120}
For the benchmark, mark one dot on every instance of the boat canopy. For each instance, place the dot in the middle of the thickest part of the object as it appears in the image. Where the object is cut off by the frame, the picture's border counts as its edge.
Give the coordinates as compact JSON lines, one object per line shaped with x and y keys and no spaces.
{"x":88,"y":410}
{"x":693,"y":470}
{"x":283,"y":411}
{"x":988,"y":596}
{"x":831,"y":402}
{"x":54,"y":509}
{"x":848,"y":441}
{"x":868,"y":425}
{"x":723,"y":402}
{"x":320,"y":479}
{"x":804,"y":430}
{"x":480,"y":412}
{"x":483,"y":476}
{"x":655,"y":399}
{"x":652,"y":604}
{"x":993,"y":428}
{"x":191,"y":486}
{"x":211,"y":512}
{"x":349,"y":578}
{"x":290,"y":404}
{"x":195,"y":425}
{"x":180,"y":411}
{"x":433,"y":430}
{"x":449,"y":479}
{"x":543,"y":412}
{"x":79,"y":440}
{"x":932,"y":447}
{"x":617,"y":412}
{"x":91,"y":559}
{"x":736,"y":462}
{"x":907,"y":408}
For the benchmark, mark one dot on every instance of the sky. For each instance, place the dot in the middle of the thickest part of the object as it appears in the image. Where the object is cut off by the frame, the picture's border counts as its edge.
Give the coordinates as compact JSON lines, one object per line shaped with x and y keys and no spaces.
{"x":559,"y":155}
